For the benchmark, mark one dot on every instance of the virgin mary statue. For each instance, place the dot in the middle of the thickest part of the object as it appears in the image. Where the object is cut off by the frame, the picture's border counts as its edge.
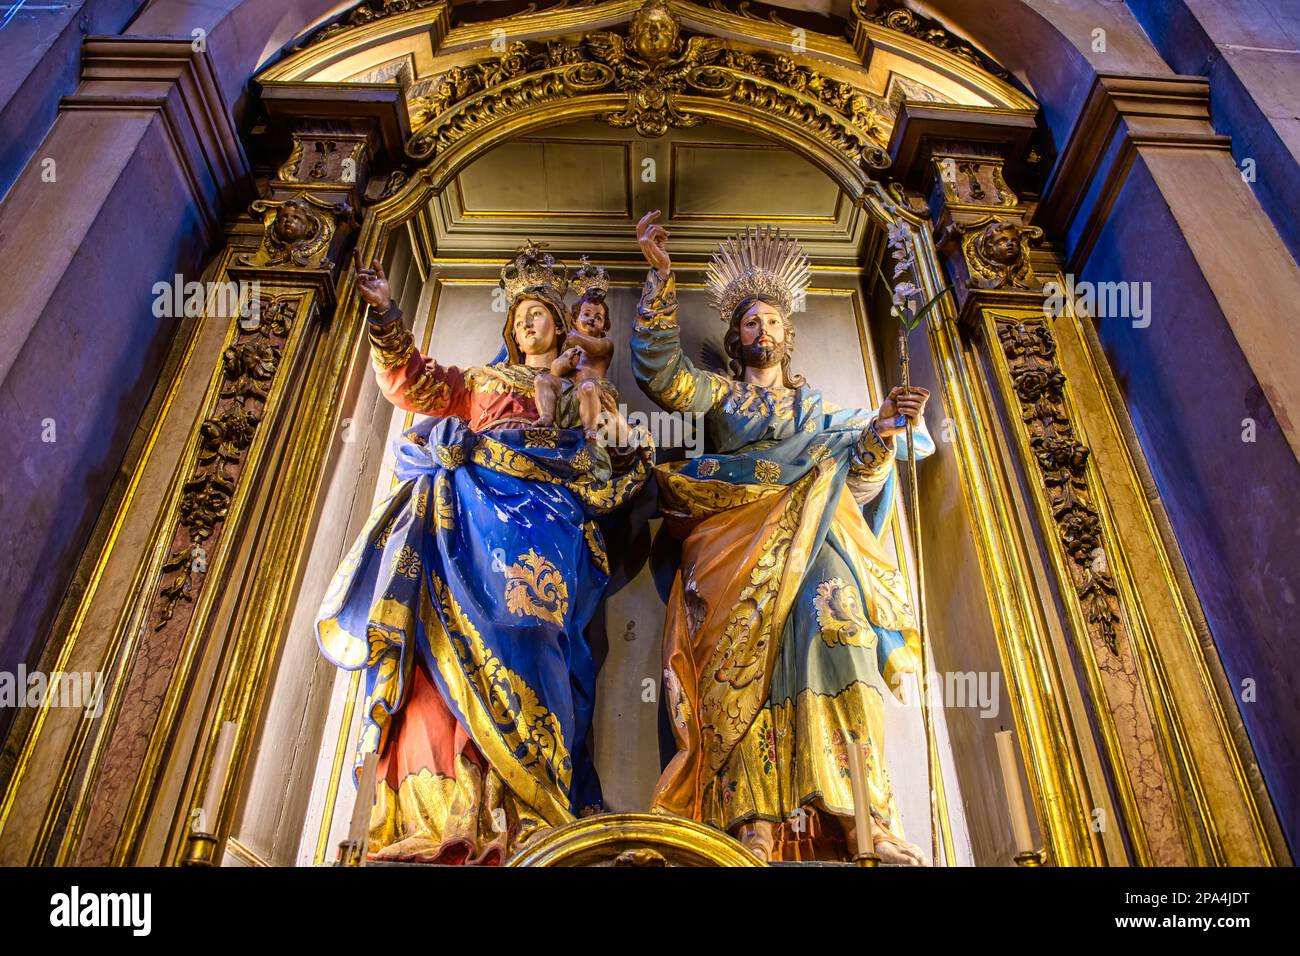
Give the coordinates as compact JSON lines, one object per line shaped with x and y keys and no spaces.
{"x":466,"y":595}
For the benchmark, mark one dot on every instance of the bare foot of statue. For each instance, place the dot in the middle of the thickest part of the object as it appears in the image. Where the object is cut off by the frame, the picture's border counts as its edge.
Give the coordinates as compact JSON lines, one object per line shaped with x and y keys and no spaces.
{"x":892,"y":849}
{"x":889,"y":848}
{"x":757,"y":837}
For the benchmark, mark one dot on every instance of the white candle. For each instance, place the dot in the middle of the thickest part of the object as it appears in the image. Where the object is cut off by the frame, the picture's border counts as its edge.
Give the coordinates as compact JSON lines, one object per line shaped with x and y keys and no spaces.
{"x":357,"y":832}
{"x":861,"y":799}
{"x":1015,"y":796}
{"x":209,"y":812}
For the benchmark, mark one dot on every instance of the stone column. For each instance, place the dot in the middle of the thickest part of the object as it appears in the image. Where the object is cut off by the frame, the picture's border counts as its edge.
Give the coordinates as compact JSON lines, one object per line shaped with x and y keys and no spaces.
{"x":1116,"y":607}
{"x":126,"y":190}
{"x":1146,"y":195}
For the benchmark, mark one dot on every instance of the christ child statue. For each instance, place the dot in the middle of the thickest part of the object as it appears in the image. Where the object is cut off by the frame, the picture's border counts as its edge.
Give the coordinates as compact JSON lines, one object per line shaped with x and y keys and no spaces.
{"x":585,"y":360}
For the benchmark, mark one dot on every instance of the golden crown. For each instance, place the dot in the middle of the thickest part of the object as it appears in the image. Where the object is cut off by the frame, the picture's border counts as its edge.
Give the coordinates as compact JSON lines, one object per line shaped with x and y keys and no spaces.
{"x":589,"y":278}
{"x":533,"y":271}
{"x":761,"y":261}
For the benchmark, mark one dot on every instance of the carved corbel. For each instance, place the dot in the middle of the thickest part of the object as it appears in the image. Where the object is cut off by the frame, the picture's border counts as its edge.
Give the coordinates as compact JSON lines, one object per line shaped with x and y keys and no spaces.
{"x":995,"y":252}
{"x":297,"y":232}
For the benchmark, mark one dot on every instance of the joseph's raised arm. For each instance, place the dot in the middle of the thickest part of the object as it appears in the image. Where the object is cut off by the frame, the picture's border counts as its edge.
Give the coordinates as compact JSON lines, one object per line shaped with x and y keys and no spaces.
{"x":661,"y":368}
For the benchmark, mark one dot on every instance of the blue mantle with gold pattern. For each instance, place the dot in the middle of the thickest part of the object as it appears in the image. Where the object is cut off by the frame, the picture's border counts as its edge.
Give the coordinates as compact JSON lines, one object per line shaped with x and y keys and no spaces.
{"x":485,"y":565}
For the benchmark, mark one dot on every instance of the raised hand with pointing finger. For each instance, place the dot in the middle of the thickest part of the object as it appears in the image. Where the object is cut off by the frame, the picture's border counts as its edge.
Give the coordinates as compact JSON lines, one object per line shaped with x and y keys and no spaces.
{"x":372,"y":285}
{"x":653,"y":239}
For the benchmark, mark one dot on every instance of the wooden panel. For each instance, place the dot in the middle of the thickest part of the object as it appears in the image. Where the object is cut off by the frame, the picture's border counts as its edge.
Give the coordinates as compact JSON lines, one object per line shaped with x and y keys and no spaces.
{"x":743,"y":182}
{"x":548,"y":177}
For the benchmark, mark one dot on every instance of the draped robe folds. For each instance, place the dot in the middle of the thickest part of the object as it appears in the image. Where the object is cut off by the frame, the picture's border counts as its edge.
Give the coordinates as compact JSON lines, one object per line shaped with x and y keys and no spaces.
{"x":464,"y":600}
{"x":786,"y":608}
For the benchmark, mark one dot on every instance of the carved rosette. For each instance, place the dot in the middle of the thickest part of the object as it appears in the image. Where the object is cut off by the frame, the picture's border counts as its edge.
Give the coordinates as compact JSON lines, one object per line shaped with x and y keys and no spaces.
{"x":1062,"y":459}
{"x":528,"y":75}
{"x":248,"y":367}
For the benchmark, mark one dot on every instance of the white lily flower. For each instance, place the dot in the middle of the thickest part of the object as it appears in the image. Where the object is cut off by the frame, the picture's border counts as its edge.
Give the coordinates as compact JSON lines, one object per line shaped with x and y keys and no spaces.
{"x":905,"y":293}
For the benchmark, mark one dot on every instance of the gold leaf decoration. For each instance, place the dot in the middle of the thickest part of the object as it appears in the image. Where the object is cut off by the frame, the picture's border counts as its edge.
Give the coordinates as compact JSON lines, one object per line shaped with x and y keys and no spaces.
{"x":535,"y":588}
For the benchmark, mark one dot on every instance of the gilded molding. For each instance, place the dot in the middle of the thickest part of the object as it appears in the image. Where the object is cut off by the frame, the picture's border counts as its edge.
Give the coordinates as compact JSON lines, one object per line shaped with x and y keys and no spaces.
{"x":1052,"y":446}
{"x":634,"y":839}
{"x":364,"y":14}
{"x":654,"y":75}
{"x":897,"y":17}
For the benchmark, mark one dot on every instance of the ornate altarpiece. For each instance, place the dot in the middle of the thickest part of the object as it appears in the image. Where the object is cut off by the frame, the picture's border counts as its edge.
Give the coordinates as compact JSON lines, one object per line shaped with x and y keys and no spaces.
{"x":1133,"y":748}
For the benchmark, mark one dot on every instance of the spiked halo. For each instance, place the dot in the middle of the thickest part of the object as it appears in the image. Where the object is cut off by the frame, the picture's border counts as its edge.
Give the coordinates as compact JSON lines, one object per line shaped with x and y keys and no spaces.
{"x":761,"y":261}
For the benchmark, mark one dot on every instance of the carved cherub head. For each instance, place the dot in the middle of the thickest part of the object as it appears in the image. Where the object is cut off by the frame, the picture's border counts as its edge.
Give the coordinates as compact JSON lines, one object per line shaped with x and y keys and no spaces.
{"x":297,"y":230}
{"x":997,"y":253}
{"x":1000,"y":243}
{"x":293,"y":223}
{"x":654,"y":32}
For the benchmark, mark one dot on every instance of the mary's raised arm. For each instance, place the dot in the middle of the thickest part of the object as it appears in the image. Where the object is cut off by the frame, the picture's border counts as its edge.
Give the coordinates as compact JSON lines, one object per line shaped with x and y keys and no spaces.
{"x":409,"y":380}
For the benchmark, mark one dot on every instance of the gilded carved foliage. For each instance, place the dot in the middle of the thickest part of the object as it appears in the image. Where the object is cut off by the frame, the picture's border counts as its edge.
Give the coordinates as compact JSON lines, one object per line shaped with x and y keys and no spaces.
{"x":655,"y":66}
{"x":975,"y":181}
{"x":323,"y":160}
{"x":363,"y":14}
{"x":248,"y":366}
{"x":1062,"y":459}
{"x":893,"y":15}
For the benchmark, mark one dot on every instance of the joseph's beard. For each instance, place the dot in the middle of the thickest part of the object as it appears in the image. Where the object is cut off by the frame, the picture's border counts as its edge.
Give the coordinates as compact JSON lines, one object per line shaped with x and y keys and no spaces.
{"x":762,"y":355}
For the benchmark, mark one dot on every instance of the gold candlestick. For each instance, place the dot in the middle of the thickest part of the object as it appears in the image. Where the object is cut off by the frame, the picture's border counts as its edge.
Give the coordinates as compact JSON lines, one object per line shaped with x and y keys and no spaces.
{"x":200,"y":849}
{"x":1014,"y":795}
{"x":350,"y":854}
{"x":352,"y":851}
{"x":201,"y":843}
